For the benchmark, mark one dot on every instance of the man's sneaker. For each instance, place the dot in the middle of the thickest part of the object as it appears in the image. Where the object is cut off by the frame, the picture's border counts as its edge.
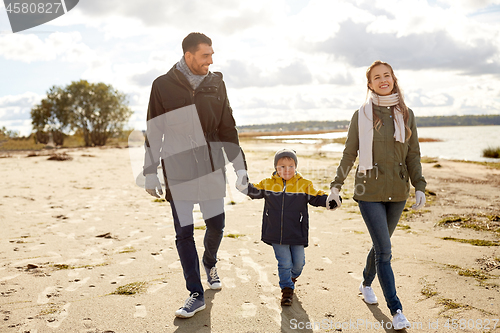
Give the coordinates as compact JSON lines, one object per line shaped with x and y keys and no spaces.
{"x":368,"y":294}
{"x":400,"y":322}
{"x":191,"y":306}
{"x":213,"y":279}
{"x":286,"y":296}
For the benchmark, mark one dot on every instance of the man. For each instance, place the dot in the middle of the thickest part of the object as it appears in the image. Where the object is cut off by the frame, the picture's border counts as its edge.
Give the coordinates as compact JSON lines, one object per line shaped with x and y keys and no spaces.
{"x":190,"y":127}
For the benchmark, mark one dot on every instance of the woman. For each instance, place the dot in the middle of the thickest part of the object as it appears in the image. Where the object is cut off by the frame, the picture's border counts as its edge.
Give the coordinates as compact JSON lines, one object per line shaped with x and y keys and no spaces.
{"x":384,"y":132}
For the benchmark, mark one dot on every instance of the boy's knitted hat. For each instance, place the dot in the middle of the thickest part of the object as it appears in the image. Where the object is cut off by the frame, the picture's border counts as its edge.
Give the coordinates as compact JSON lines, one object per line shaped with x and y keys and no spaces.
{"x":285,"y":153}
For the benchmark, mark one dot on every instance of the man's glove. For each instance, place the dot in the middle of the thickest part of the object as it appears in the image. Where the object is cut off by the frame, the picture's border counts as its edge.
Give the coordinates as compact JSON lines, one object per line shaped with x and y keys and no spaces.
{"x":153,"y":185}
{"x":242,"y":180}
{"x":419,"y":200}
{"x":334,"y":200}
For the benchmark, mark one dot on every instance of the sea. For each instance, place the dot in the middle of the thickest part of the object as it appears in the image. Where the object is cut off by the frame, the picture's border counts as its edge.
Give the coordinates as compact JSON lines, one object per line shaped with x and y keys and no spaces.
{"x":455,"y":142}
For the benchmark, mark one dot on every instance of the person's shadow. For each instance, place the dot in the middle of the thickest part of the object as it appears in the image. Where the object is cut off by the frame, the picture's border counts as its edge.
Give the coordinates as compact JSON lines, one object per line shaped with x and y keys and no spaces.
{"x":294,"y":318}
{"x":201,"y":321}
{"x":379,"y":317}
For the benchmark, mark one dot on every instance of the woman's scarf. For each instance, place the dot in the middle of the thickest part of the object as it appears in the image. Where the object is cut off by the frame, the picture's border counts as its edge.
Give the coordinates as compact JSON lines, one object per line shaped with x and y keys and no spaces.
{"x":365,"y":127}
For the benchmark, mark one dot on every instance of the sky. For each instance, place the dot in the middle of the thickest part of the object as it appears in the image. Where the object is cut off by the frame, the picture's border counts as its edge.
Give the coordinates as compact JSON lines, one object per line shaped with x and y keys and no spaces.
{"x":282,"y":60}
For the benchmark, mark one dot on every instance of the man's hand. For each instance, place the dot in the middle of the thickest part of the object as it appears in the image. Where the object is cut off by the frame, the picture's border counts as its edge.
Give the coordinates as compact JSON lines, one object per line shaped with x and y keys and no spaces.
{"x":153,"y":186}
{"x":334,"y":200}
{"x":242,"y":180}
{"x":419,"y":200}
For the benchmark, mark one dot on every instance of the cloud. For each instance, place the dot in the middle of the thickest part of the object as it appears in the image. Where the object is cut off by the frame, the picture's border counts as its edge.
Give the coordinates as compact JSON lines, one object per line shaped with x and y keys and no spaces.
{"x":239,"y":74}
{"x":15,"y":111}
{"x":219,"y":15}
{"x":59,"y":45}
{"x":146,"y":79}
{"x":359,"y":47}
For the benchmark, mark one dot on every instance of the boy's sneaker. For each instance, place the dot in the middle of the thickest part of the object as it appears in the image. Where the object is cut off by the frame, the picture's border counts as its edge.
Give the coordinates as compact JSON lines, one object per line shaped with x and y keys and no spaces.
{"x":191,"y":306}
{"x":286,"y":296}
{"x":368,"y":294}
{"x":400,"y":322}
{"x":212,"y":278}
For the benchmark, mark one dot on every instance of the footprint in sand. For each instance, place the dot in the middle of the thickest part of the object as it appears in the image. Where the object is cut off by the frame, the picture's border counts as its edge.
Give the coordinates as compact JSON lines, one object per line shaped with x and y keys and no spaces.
{"x":175,"y":264}
{"x":157,"y":256}
{"x":240,"y":273}
{"x":228,"y":282}
{"x":327,"y":260}
{"x":127,"y":261}
{"x":153,"y":289}
{"x":140,"y":311}
{"x":56,"y":320}
{"x":248,"y":310}
{"x":77,"y":284}
{"x":49,"y":292}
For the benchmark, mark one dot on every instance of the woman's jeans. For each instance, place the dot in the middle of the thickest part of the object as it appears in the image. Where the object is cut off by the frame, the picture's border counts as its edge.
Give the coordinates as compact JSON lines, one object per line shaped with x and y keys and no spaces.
{"x":381,"y":219}
{"x":184,"y":240}
{"x":291,"y":261}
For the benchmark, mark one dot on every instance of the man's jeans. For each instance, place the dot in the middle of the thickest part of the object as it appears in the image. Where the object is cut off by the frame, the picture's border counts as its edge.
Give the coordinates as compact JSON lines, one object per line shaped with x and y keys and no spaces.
{"x":184,"y":241}
{"x":381,"y":219}
{"x":291,"y":261}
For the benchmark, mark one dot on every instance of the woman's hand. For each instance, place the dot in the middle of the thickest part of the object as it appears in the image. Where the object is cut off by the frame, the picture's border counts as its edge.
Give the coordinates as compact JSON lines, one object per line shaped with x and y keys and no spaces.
{"x":419,"y":200}
{"x":333,"y":201}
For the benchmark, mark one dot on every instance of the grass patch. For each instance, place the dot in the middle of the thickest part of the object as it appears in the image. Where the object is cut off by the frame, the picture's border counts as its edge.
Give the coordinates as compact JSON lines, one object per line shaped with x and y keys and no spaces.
{"x":128,"y":249}
{"x":358,"y":232}
{"x":200,"y":227}
{"x":66,"y":266}
{"x":453,"y":219}
{"x":404,"y":227}
{"x":52,"y":309}
{"x":428,"y":291}
{"x":491,"y":165}
{"x":491,"y":152}
{"x":471,"y":272}
{"x":451,"y":305}
{"x":475,"y":242}
{"x":234,"y":235}
{"x":130,"y":289}
{"x":425,"y":159}
{"x":159,"y":200}
{"x":60,"y":157}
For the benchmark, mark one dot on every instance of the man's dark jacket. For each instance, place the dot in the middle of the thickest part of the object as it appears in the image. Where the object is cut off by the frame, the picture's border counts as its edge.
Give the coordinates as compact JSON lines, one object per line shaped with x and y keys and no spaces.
{"x":172,"y":92}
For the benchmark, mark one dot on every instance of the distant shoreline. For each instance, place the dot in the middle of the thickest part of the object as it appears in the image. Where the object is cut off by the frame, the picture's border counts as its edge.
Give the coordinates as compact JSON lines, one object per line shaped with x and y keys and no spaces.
{"x":280,"y":133}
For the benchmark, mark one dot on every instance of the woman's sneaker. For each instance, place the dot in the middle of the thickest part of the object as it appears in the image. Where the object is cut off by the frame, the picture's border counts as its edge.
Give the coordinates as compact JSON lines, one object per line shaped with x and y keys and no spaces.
{"x":368,"y":294}
{"x":191,"y":306}
{"x":213,"y":278}
{"x":400,"y":322}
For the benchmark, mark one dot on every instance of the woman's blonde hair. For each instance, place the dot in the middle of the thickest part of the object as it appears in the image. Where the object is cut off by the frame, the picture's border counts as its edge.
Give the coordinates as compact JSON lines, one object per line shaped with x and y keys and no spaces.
{"x":401,"y":105}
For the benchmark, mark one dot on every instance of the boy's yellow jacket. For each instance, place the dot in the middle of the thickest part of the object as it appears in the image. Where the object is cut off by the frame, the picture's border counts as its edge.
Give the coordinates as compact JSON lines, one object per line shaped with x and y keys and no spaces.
{"x":285,"y":219}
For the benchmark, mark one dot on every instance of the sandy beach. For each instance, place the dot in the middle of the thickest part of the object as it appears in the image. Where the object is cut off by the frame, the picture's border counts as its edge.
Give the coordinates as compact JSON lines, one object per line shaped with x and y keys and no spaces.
{"x":84,"y":249}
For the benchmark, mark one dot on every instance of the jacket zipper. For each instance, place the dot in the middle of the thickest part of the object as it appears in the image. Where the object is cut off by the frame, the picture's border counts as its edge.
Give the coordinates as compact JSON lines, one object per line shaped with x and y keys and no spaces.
{"x":282,"y":211}
{"x":208,"y":144}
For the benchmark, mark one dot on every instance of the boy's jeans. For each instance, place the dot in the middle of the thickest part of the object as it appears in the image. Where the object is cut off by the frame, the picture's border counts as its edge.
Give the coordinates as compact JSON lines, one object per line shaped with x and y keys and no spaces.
{"x":381,"y":219}
{"x":184,"y":241}
{"x":291,"y":260}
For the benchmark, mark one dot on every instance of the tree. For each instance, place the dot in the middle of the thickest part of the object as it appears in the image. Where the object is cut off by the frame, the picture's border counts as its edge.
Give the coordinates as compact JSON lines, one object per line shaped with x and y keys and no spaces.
{"x":97,"y":110}
{"x":52,"y":115}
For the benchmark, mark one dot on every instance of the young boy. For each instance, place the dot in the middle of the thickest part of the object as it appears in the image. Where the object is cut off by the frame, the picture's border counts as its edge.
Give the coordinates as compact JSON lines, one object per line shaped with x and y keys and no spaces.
{"x":285,"y":220}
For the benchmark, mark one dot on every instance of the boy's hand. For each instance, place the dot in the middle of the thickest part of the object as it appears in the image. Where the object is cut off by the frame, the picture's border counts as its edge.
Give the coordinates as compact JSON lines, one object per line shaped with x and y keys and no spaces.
{"x":334,"y":200}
